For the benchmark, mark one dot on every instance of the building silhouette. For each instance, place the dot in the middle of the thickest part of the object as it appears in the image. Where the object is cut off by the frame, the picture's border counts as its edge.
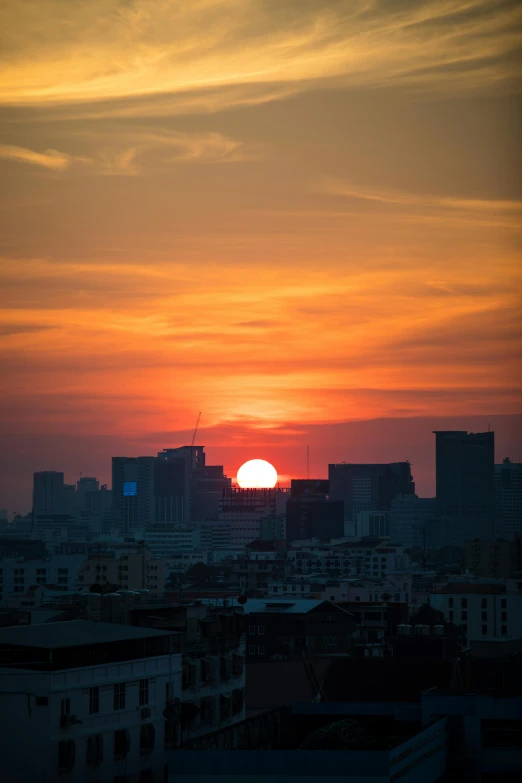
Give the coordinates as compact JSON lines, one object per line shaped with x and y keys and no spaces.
{"x":369,"y":487}
{"x":508,"y":498}
{"x":465,"y":482}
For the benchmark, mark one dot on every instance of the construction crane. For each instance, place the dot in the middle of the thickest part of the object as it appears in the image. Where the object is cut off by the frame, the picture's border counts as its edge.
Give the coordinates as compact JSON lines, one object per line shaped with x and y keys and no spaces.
{"x":196,"y":429}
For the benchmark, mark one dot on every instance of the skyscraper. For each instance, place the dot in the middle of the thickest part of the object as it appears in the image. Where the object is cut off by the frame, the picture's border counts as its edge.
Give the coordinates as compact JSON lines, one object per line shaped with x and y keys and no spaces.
{"x":369,"y":487}
{"x":465,"y":481}
{"x":51,"y":495}
{"x":508,"y":498}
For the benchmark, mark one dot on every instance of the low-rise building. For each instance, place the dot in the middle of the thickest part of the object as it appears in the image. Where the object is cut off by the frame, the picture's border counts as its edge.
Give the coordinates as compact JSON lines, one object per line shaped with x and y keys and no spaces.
{"x":84,"y":701}
{"x":131,"y":571}
{"x":490,"y":559}
{"x":18,"y":574}
{"x":289,"y":628}
{"x":484,"y":609}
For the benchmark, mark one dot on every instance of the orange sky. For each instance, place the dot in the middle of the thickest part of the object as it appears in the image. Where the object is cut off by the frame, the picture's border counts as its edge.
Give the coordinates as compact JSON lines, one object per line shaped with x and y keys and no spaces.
{"x":279,"y":213}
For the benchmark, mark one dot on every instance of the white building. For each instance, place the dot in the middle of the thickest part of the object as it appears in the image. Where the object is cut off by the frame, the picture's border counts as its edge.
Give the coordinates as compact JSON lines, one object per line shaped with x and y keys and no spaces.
{"x":371,"y":558}
{"x":178,"y":538}
{"x":489,"y":609}
{"x":18,"y":575}
{"x":84,"y":701}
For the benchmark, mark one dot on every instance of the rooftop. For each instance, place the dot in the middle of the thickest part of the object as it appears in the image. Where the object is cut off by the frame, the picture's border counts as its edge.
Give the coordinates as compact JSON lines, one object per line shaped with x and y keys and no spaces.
{"x":75,"y":633}
{"x":472,"y":589}
{"x":287,"y":605}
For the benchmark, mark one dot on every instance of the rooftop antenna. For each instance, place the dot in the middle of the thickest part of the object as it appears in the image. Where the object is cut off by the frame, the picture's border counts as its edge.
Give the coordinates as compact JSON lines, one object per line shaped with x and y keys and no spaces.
{"x":196,"y":429}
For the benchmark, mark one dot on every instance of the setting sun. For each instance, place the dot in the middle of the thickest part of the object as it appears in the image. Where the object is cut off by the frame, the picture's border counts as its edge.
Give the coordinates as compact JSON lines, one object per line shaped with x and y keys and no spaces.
{"x":257,"y":474}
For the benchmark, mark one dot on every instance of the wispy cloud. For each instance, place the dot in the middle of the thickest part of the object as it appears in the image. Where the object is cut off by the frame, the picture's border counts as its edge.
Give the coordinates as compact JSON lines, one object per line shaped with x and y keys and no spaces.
{"x":106,"y":49}
{"x":50,"y":159}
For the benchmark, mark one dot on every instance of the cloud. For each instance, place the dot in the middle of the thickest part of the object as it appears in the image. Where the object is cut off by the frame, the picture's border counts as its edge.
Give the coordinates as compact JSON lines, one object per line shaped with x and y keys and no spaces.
{"x":128,"y":151}
{"x":50,"y":159}
{"x":418,"y":200}
{"x":56,"y":53}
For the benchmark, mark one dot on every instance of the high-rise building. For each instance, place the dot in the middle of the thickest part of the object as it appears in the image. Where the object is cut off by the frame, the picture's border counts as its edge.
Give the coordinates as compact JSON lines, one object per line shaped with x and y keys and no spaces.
{"x":508,"y":498}
{"x":307,"y":517}
{"x":412,"y":521}
{"x":83,"y":486}
{"x":159,"y":492}
{"x":316,"y":488}
{"x":51,"y":495}
{"x":465,"y":481}
{"x":244,"y":510}
{"x":369,"y":487}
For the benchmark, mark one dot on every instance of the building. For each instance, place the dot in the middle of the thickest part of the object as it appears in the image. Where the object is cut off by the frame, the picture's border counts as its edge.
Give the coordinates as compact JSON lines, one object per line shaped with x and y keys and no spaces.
{"x":412,"y":520}
{"x":284,"y":629}
{"x":51,"y":495}
{"x":508,"y":498}
{"x":318,"y":489}
{"x":131,"y":571}
{"x":305,"y":742}
{"x":487,"y":609}
{"x":18,"y":574}
{"x":369,"y":487}
{"x":491,"y":559}
{"x":309,"y":517}
{"x":465,"y":482}
{"x":485,"y":732}
{"x":212,"y":644}
{"x":84,"y":701}
{"x":245,"y":509}
{"x":173,"y":487}
{"x":375,"y":524}
{"x":346,"y":559}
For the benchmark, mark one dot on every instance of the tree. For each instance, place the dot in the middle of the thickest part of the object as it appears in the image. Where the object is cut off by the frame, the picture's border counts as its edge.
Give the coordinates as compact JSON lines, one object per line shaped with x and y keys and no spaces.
{"x":200,"y":573}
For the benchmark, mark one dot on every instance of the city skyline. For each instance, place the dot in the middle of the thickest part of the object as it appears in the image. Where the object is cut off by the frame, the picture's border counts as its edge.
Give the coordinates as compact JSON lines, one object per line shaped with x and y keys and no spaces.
{"x":282,"y":215}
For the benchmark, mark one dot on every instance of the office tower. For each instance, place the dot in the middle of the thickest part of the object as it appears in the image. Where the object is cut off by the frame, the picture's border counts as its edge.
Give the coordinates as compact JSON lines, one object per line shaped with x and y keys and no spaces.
{"x":244,"y":510}
{"x":316,"y":488}
{"x":465,"y":482}
{"x":83,"y":486}
{"x":51,"y":495}
{"x":369,"y":487}
{"x":308,"y":517}
{"x":158,"y":492}
{"x":412,"y":521}
{"x":203,"y":484}
{"x":508,"y":498}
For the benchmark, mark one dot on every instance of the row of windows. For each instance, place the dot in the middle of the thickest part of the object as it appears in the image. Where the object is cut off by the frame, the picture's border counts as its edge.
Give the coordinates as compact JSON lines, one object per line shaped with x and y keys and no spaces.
{"x":119,"y":698}
{"x":484,"y":603}
{"x":95,"y":748}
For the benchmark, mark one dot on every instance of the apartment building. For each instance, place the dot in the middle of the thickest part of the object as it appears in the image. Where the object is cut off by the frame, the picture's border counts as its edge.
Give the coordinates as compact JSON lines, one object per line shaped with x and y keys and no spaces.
{"x":371,"y":558}
{"x":282,"y":629}
{"x":18,"y":574}
{"x":131,"y":571}
{"x":212,"y":644}
{"x":486,"y":610}
{"x":86,"y":701}
{"x":491,"y":559}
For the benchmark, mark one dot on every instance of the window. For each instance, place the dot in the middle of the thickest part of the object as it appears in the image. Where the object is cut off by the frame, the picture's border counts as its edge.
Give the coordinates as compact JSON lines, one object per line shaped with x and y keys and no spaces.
{"x":450,"y":602}
{"x":42,"y":701}
{"x":450,"y":616}
{"x":464,"y":602}
{"x":484,"y":617}
{"x":252,"y":630}
{"x":121,"y":744}
{"x":260,"y":650}
{"x":119,"y":696}
{"x":463,"y":615}
{"x":65,"y":707}
{"x":66,"y":755}
{"x":251,"y":649}
{"x":260,"y":630}
{"x":503,"y":616}
{"x":484,"y":630}
{"x":95,"y":749}
{"x":503,"y":630}
{"x":144,"y":692}
{"x":147,"y":739}
{"x":503,"y":603}
{"x":94,"y":700}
